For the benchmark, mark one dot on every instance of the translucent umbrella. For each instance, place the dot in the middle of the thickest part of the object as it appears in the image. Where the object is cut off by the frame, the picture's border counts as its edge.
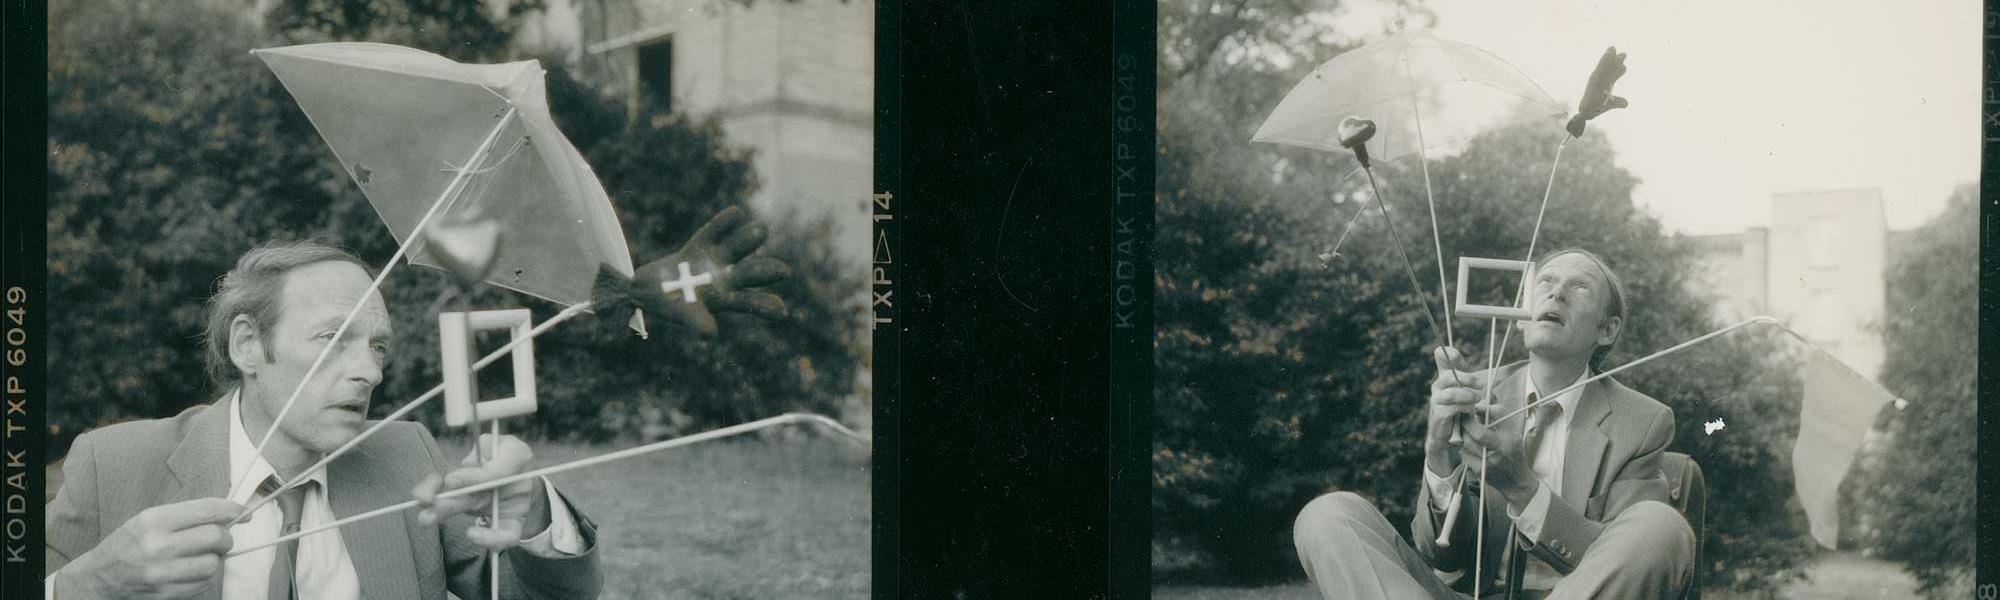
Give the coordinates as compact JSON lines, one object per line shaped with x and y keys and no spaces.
{"x":466,"y":167}
{"x":1395,"y":82}
{"x":1392,"y":83}
{"x":407,"y":126}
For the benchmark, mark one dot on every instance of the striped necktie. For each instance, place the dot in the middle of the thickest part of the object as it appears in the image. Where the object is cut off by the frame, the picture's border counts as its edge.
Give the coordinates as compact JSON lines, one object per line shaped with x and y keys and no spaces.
{"x":1539,"y":419}
{"x":291,"y":503}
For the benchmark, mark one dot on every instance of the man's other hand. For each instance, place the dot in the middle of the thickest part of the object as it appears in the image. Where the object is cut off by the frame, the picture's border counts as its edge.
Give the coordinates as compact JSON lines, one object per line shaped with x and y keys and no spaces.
{"x":523,"y":504}
{"x":167,"y":551}
{"x":1455,"y":391}
{"x":1509,"y":469}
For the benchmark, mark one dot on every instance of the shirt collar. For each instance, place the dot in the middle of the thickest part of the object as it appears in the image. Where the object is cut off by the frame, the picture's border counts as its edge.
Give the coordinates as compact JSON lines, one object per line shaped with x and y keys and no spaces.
{"x":1568,"y":400}
{"x":245,"y":460}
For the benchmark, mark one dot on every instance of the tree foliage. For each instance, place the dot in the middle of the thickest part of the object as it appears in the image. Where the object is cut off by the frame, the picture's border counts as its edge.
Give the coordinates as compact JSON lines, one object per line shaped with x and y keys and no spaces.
{"x":1925,"y":488}
{"x":1279,"y":378}
{"x":1204,"y":39}
{"x":172,"y":151}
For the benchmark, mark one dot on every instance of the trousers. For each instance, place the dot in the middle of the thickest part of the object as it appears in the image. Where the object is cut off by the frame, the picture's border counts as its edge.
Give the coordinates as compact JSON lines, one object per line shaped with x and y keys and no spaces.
{"x":1351,"y":552}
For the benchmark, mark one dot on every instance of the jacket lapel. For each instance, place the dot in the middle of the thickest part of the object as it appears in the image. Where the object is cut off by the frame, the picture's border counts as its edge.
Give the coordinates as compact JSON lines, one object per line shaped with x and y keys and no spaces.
{"x":379,"y":547}
{"x":1587,"y":442}
{"x":200,"y":464}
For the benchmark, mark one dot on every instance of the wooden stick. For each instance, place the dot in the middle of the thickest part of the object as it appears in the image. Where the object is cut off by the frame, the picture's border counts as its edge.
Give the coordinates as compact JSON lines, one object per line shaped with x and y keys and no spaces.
{"x":713,"y":434}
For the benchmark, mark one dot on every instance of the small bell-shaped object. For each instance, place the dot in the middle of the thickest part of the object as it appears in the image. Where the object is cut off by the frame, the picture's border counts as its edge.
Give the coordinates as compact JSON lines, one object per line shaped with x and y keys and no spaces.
{"x":1354,"y":134}
{"x":466,"y":245}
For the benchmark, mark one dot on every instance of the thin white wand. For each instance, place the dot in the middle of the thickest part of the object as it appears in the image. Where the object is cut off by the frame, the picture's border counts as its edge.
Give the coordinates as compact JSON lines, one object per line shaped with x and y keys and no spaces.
{"x":1676,"y":348}
{"x":713,"y":434}
{"x":1409,"y":268}
{"x":1444,"y":295}
{"x":1479,"y":562}
{"x":413,"y":404}
{"x":444,"y":199}
{"x":1534,"y":236}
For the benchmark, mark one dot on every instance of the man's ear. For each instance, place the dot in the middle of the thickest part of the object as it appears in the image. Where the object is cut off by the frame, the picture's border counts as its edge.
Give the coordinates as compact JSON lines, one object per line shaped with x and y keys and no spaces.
{"x":246,"y":345}
{"x":1609,"y":330}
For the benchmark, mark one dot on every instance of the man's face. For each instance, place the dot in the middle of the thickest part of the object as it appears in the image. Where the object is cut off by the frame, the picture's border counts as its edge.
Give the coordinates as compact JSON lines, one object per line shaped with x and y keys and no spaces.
{"x":1568,"y":300}
{"x":334,"y":404}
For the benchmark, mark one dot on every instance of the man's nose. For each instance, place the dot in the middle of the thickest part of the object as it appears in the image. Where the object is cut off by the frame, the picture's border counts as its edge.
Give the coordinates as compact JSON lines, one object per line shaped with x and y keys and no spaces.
{"x":1556,"y":293}
{"x":361,"y":364}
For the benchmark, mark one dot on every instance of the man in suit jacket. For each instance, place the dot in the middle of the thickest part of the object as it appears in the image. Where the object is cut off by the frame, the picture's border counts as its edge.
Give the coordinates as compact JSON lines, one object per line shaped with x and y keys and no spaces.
{"x":1577,"y":494}
{"x":145,"y":507}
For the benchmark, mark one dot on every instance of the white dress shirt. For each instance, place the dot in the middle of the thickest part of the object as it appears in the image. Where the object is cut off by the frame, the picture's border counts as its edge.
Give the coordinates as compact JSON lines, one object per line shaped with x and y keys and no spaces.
{"x":1548,"y":463}
{"x":323,"y":569}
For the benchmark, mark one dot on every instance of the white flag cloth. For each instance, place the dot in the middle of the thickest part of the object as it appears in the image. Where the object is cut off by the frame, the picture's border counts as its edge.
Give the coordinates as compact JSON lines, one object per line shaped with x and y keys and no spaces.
{"x":1838,"y":409}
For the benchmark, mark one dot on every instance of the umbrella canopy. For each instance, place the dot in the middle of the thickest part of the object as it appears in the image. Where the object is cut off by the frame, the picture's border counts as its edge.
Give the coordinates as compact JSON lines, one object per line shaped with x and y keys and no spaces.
{"x":407,"y":125}
{"x":1454,"y":88}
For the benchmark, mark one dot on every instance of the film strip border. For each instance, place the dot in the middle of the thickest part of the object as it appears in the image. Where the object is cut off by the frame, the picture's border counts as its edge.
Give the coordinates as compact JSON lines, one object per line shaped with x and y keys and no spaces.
{"x":1988,"y":463}
{"x":23,"y":297}
{"x":885,"y":364}
{"x":1134,"y":37}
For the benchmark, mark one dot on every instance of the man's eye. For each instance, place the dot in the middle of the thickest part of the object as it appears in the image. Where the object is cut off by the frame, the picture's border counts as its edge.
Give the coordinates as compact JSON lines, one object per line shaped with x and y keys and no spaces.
{"x":323,"y":336}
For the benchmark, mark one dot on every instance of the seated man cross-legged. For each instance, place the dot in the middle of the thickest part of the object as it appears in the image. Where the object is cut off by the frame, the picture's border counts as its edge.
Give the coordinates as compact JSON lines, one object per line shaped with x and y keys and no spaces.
{"x":1577,"y":490}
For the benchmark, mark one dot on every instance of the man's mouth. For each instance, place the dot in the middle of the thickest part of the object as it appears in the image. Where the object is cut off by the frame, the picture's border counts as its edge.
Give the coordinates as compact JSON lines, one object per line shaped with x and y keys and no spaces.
{"x":358,"y":407}
{"x":1549,"y":317}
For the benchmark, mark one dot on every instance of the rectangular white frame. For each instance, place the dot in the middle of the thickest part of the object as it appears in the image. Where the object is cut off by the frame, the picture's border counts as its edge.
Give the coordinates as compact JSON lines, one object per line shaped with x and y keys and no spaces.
{"x":1518,"y":312}
{"x":461,"y":385}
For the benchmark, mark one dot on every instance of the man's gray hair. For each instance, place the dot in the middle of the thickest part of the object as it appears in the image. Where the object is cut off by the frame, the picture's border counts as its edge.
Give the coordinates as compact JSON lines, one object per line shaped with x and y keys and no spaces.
{"x":1614,"y":305}
{"x":253,"y":288}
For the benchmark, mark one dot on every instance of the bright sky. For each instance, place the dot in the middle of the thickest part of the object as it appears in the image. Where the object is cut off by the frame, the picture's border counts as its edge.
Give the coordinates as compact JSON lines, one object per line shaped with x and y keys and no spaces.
{"x":1735,"y":101}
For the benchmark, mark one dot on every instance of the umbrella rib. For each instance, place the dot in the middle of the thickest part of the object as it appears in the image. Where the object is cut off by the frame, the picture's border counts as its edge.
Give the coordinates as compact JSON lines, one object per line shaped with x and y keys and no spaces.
{"x":1515,"y":70}
{"x":370,"y":67}
{"x":1530,"y":99}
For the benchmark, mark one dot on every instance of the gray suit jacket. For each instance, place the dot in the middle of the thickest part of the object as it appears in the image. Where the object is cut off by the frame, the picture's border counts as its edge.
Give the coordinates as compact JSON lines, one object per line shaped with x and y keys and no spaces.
{"x":1616,"y":439}
{"x":114,"y":472}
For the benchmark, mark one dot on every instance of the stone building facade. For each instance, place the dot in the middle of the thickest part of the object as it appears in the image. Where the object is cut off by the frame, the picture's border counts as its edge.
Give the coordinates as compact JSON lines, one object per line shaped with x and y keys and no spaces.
{"x":793,"y":80}
{"x":1819,"y":266}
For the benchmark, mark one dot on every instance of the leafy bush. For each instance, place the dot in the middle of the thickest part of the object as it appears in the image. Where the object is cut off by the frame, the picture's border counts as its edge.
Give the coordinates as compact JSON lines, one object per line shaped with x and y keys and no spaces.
{"x":1924,"y":488}
{"x":172,"y":151}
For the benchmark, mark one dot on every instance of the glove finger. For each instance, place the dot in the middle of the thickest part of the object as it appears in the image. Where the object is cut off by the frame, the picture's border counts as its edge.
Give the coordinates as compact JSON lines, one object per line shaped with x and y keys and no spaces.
{"x":758,"y":304}
{"x":721,"y":226}
{"x":745,"y":240}
{"x":758,"y":271}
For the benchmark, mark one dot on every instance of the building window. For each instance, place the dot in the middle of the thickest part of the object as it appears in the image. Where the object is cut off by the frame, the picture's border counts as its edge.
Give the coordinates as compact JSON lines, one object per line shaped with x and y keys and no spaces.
{"x":656,"y":75}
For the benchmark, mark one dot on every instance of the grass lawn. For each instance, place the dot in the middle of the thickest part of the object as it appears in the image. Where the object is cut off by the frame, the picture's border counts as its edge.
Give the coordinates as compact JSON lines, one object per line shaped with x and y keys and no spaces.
{"x":755,"y":518}
{"x":1834,"y":577}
